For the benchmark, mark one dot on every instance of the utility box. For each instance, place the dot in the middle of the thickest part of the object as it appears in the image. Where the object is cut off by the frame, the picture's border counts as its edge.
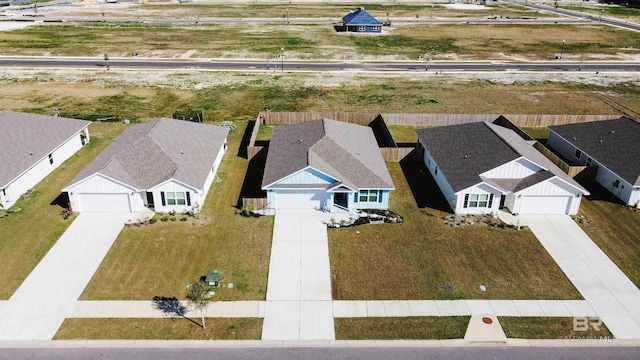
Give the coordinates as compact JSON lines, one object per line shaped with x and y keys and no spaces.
{"x":213,"y":278}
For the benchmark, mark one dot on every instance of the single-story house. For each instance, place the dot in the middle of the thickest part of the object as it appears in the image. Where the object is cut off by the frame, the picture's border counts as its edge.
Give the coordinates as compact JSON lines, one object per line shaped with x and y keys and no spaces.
{"x":325,"y":164}
{"x":482,"y":167}
{"x":362,"y":22}
{"x":611,"y":145}
{"x":165,"y":165}
{"x":31,"y":147}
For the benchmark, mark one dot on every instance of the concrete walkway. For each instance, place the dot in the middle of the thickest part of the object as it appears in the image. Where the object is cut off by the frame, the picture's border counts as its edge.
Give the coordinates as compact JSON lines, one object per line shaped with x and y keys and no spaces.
{"x":49,"y":294}
{"x":298,"y":305}
{"x":348,"y":309}
{"x":615,"y":299}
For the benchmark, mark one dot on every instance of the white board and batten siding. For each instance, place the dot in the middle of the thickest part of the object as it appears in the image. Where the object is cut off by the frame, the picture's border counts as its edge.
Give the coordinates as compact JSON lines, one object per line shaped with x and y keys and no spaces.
{"x":479,"y":189}
{"x":83,"y":196}
{"x":516,"y":169}
{"x":442,"y":182}
{"x":175,"y":187}
{"x":552,"y":196}
{"x":202,"y":195}
{"x":39,"y":170}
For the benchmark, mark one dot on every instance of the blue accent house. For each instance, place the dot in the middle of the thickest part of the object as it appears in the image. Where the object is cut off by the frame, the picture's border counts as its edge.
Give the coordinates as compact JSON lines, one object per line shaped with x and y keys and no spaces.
{"x":362,"y":22}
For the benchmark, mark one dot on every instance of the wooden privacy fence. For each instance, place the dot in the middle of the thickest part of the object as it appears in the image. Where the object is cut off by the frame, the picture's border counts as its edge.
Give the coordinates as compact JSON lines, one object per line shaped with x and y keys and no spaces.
{"x":524,"y":120}
{"x":252,"y":150}
{"x":255,"y":203}
{"x":570,"y":170}
{"x":395,"y":154}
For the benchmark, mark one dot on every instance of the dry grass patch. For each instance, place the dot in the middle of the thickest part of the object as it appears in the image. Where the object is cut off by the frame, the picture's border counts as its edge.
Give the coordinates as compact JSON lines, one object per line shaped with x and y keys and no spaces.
{"x":161,"y":258}
{"x":411,"y":261}
{"x":403,"y":328}
{"x":165,"y":329}
{"x":549,"y":328}
{"x":26,"y":236}
{"x":614,"y":228}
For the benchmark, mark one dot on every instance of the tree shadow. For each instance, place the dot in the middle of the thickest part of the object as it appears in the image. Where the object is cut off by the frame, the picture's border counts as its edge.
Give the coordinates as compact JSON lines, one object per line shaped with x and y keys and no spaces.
{"x":424,"y":188}
{"x":251,"y":187}
{"x":171,"y":307}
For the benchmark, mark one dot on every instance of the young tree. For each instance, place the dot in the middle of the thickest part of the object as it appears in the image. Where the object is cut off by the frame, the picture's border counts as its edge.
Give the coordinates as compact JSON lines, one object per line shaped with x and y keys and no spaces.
{"x":199,"y":295}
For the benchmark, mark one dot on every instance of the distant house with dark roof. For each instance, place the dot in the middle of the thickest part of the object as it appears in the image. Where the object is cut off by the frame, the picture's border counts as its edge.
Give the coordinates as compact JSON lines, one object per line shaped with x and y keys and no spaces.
{"x":611,"y":145}
{"x":165,"y":165}
{"x":326,"y":164}
{"x":362,"y":22}
{"x":31,"y":147}
{"x":482,"y":167}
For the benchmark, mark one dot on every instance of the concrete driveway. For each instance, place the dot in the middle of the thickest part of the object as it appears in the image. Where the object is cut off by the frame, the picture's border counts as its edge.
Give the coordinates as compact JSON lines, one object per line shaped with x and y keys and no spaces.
{"x":298,"y":305}
{"x":610,"y":293}
{"x":50,"y":293}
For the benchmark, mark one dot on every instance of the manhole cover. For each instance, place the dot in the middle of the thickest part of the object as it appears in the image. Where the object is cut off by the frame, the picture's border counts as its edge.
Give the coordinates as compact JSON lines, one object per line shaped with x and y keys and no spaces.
{"x":487,"y":320}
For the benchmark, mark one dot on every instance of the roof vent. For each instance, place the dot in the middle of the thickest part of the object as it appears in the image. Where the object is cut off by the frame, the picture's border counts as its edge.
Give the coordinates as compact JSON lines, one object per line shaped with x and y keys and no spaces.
{"x":574,"y":138}
{"x":300,"y":141}
{"x":600,"y":141}
{"x":466,"y":156}
{"x":612,"y":132}
{"x":181,"y":152}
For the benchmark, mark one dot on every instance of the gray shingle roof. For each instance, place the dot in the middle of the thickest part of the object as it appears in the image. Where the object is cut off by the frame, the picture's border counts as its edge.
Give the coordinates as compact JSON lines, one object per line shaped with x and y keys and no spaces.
{"x":346,"y":152}
{"x":25,"y":139}
{"x":465,"y":151}
{"x":149,"y":154}
{"x":613,"y":143}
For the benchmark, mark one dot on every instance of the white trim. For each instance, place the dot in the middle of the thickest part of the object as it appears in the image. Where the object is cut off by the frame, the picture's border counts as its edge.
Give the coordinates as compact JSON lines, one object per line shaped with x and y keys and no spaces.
{"x":67,"y":188}
{"x":297,"y":172}
{"x":176,"y":181}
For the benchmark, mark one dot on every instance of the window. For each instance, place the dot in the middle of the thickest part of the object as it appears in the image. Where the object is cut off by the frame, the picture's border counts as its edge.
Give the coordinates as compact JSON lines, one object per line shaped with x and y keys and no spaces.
{"x":50,"y":158}
{"x":436,"y":170}
{"x":478,"y":200}
{"x":369,"y":195}
{"x":174,"y":198}
{"x":616,"y":183}
{"x":362,"y":28}
{"x":577,"y":154}
{"x":376,"y":28}
{"x":589,"y":160}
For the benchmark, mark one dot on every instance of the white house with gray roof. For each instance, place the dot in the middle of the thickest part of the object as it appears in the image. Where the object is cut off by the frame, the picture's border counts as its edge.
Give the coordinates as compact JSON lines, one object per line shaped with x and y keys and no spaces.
{"x":325,"y":164}
{"x":165,"y":165}
{"x":482,"y":167}
{"x":31,"y":147}
{"x":613,"y":146}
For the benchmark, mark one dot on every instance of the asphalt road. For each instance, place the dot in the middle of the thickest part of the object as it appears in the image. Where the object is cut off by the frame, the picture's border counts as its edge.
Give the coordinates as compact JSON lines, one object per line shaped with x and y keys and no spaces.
{"x":275,"y":65}
{"x":310,"y":353}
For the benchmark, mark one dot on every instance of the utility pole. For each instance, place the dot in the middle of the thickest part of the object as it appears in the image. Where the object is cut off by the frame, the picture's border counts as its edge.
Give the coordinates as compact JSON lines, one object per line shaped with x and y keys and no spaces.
{"x":562,"y":50}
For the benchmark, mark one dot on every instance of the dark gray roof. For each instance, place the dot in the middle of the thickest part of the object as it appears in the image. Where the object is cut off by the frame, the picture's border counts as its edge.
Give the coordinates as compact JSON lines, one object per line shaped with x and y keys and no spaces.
{"x":151,"y":153}
{"x":25,"y":139}
{"x":613,"y":143}
{"x":346,"y":152}
{"x":463,"y":152}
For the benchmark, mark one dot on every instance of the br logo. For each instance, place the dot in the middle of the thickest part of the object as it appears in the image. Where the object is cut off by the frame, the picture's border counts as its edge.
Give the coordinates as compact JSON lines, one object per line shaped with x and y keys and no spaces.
{"x":584,"y":323}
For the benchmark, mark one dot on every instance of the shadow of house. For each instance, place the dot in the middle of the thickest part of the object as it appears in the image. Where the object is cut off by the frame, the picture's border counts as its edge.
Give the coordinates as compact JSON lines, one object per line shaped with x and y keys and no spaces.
{"x":246,"y":138}
{"x":62,"y":200}
{"x":382,"y":133}
{"x":424,"y":188}
{"x":251,"y":187}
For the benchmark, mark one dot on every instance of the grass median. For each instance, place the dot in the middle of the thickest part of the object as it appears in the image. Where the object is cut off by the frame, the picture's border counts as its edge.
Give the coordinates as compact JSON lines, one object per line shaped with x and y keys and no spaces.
{"x":401,"y":328}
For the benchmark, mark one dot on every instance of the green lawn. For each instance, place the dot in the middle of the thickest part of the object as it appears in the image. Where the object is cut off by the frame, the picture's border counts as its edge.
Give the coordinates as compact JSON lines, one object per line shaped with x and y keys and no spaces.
{"x":614,"y":228}
{"x":549,"y":328}
{"x":405,"y":328}
{"x":257,"y":41}
{"x":161,"y":258}
{"x":165,"y":329}
{"x":412,"y":260}
{"x":26,"y":236}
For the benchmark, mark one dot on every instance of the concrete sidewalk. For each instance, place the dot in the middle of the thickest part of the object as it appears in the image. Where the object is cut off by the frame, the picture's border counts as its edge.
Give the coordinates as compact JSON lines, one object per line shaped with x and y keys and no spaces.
{"x":615,"y":299}
{"x":49,"y":294}
{"x":299,"y":305}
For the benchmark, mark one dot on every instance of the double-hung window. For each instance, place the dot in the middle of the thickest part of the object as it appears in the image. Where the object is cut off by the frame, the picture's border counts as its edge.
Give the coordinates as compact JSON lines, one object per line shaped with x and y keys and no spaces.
{"x":175,"y":198}
{"x":478,"y":200}
{"x":369,"y":195}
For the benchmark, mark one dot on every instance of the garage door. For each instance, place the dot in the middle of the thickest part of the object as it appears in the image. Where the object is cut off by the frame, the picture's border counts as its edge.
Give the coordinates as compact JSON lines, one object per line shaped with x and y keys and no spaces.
{"x":545,"y":205}
{"x":104,"y":202}
{"x":299,"y":199}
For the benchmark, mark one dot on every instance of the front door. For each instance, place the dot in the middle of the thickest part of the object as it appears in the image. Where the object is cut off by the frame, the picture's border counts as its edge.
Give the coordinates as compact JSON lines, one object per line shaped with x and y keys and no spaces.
{"x":340,"y":199}
{"x":150,"y":203}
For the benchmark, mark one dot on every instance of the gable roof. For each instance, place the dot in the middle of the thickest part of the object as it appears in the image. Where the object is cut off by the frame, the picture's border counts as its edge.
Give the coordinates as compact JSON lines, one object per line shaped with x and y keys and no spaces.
{"x":360,"y":17}
{"x":349,"y":153}
{"x":463,"y":152}
{"x":25,"y":139}
{"x":151,"y":153}
{"x":613,"y":143}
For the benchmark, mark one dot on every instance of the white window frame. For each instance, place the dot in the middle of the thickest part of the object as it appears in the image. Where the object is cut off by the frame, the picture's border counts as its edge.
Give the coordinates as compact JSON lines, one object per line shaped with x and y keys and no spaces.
{"x":367,"y":195}
{"x":362,"y":28}
{"x":173,"y":198}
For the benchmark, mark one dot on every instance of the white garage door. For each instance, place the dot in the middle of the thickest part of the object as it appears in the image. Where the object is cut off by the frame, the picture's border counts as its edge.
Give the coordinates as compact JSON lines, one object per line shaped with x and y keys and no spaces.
{"x":104,"y":202}
{"x":545,"y":205}
{"x":299,"y":199}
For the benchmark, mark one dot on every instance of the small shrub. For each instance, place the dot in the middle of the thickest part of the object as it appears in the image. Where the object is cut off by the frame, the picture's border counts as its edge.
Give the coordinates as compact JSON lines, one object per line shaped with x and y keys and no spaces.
{"x":165,"y":217}
{"x":154,"y":219}
{"x":184,"y":218}
{"x":247,"y":211}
